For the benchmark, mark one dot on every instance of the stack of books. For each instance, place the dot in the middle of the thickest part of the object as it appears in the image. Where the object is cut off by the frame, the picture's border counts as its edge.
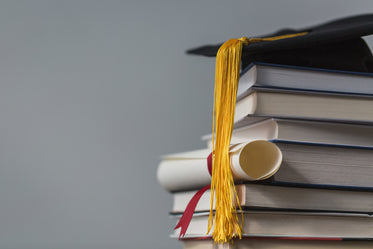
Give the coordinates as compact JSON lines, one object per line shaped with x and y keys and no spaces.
{"x":322,"y":194}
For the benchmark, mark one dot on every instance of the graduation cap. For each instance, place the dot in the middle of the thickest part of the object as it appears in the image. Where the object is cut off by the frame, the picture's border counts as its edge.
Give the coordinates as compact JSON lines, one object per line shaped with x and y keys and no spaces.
{"x":332,"y":45}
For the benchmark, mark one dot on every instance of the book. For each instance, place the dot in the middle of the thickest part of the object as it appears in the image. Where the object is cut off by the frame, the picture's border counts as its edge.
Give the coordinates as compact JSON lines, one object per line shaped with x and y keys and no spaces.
{"x":304,"y":104}
{"x":292,"y":224}
{"x":322,"y":164}
{"x":258,"y":128}
{"x":266,"y":196}
{"x":305,"y":78}
{"x":276,"y":243}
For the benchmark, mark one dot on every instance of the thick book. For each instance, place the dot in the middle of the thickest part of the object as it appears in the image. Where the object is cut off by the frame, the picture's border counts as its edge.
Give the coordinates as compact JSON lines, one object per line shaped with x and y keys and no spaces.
{"x":323,"y":164}
{"x":303,"y":104}
{"x":258,"y":128}
{"x":292,"y":224}
{"x":275,"y":197}
{"x":277,"y":243}
{"x":307,"y":78}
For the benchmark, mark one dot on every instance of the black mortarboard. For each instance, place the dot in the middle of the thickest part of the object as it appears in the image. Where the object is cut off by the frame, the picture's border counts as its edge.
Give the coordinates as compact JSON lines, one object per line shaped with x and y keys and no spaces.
{"x":333,"y":45}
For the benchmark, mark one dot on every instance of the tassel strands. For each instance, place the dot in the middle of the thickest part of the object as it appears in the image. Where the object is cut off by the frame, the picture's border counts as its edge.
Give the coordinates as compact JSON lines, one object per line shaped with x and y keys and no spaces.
{"x":227,"y":71}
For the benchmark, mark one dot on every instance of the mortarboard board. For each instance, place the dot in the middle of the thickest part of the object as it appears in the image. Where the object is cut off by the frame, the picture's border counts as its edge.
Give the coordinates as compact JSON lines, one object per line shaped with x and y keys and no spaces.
{"x":333,"y":45}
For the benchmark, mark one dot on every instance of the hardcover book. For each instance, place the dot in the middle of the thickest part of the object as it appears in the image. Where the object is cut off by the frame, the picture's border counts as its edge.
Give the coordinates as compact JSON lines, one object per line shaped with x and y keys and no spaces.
{"x":293,"y":224}
{"x":302,"y":104}
{"x":304,"y":78}
{"x":277,"y":243}
{"x":266,"y":196}
{"x":264,"y":128}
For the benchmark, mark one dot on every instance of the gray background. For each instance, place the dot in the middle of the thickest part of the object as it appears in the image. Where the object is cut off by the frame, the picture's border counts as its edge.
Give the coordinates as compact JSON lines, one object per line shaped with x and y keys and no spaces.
{"x":93,"y":92}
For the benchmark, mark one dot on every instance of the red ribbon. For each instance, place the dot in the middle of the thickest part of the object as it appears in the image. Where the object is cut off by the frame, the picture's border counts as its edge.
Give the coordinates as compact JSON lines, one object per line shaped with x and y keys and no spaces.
{"x":191,"y":207}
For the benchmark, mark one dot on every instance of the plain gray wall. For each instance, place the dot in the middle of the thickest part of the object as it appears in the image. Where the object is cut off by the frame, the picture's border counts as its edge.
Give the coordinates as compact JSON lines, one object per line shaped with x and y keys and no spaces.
{"x":93,"y":92}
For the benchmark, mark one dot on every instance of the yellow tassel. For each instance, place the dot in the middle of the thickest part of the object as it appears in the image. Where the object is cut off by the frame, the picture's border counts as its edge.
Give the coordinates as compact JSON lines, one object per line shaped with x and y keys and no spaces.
{"x":228,"y":61}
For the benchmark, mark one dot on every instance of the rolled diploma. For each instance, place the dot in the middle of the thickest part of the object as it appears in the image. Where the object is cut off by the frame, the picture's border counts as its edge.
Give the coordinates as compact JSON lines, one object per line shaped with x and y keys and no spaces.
{"x":255,"y":160}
